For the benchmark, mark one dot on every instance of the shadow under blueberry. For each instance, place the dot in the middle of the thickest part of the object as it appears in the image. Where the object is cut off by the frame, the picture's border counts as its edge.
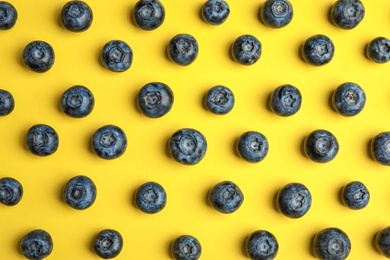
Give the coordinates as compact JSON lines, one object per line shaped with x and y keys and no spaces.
{"x":300,"y":52}
{"x":132,"y":198}
{"x":330,"y":102}
{"x":268,"y":103}
{"x":311,"y":249}
{"x":369,"y":154}
{"x":234,"y":147}
{"x":275,"y":201}
{"x":206,"y":197}
{"x":243,"y":246}
{"x":131,"y":17}
{"x":329,"y":14}
{"x":303,"y":147}
{"x":373,"y":242}
{"x":340,"y":195}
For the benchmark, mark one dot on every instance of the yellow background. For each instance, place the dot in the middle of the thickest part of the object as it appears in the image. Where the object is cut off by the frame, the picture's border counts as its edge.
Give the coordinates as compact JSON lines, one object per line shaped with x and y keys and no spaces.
{"x":222,"y":236}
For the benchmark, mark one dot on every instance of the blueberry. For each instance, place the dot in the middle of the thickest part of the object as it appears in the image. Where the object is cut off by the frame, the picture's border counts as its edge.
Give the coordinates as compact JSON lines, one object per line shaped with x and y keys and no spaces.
{"x":321,"y":146}
{"x":318,"y":50}
{"x":219,"y":100}
{"x":116,"y":56}
{"x":285,"y":100}
{"x":261,"y":245}
{"x":215,"y":12}
{"x":187,"y":146}
{"x":347,"y":14}
{"x":380,"y":148}
{"x":331,"y":244}
{"x":252,"y":146}
{"x":7,"y":102}
{"x":378,"y":50}
{"x":42,"y":140}
{"x":38,"y":56}
{"x":108,"y":243}
{"x":382,"y":242}
{"x":276,"y":13}
{"x":36,"y":245}
{"x":77,"y":101}
{"x":150,"y":197}
{"x":80,"y":192}
{"x":76,"y":16}
{"x":148,"y":14}
{"x":155,"y":99}
{"x":186,"y":247}
{"x":11,"y":191}
{"x":246,"y":49}
{"x":294,"y":200}
{"x":109,"y":142}
{"x":183,"y":49}
{"x":8,"y":15}
{"x":349,"y":99}
{"x":226,"y":197}
{"x":355,"y":195}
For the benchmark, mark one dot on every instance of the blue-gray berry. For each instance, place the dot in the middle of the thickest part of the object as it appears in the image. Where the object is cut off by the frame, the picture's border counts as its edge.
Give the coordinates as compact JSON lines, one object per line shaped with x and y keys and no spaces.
{"x":380,"y":148}
{"x":252,"y":146}
{"x":36,"y":244}
{"x":8,"y":15}
{"x":276,"y":13}
{"x":11,"y":191}
{"x":347,"y":14}
{"x":246,"y":49}
{"x":155,"y":99}
{"x":108,"y":243}
{"x":76,"y":16}
{"x":294,"y":200}
{"x":109,"y":142}
{"x":77,"y":101}
{"x":116,"y":56}
{"x":285,"y":100}
{"x":186,"y":247}
{"x":183,"y":49}
{"x":38,"y":56}
{"x":331,"y":244}
{"x":378,"y":50}
{"x":219,"y":100}
{"x":318,"y":50}
{"x":382,"y":242}
{"x":7,"y":102}
{"x":80,"y":192}
{"x":148,"y":14}
{"x":42,"y":140}
{"x":261,"y":245}
{"x":215,"y":12}
{"x":355,"y":195}
{"x":321,"y":146}
{"x":349,"y":99}
{"x":226,"y":197}
{"x":150,"y":197}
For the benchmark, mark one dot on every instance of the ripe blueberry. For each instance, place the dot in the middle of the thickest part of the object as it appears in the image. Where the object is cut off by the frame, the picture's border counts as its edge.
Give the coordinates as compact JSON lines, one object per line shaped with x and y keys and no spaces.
{"x":261,"y":245}
{"x":355,"y":195}
{"x":382,"y":242}
{"x":183,"y":49}
{"x":349,"y":99}
{"x":347,"y":14}
{"x":116,"y":56}
{"x":215,"y":12}
{"x":226,"y":197}
{"x":76,"y":16}
{"x":380,"y":148}
{"x":246,"y":49}
{"x":11,"y":191}
{"x":252,"y":146}
{"x":285,"y":100}
{"x":294,"y":200}
{"x":148,"y":14}
{"x":155,"y":99}
{"x":42,"y":140}
{"x":80,"y":192}
{"x":109,"y":142}
{"x":318,"y":50}
{"x":276,"y":13}
{"x":331,"y":244}
{"x":219,"y":100}
{"x":378,"y":50}
{"x":38,"y":56}
{"x":108,"y":243}
{"x":186,"y":247}
{"x":321,"y":146}
{"x":187,"y":146}
{"x":8,"y":15}
{"x":150,"y":197}
{"x":7,"y":102}
{"x":77,"y":101}
{"x":36,"y":245}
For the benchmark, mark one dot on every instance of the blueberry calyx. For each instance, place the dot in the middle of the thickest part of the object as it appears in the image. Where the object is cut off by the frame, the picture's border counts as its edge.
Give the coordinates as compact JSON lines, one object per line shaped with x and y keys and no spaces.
{"x":252,"y":146}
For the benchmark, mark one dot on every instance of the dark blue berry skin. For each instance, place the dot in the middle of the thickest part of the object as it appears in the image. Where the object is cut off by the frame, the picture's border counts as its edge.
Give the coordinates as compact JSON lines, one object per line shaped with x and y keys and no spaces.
{"x":382,"y":242}
{"x":42,"y":140}
{"x":8,"y":15}
{"x":11,"y":191}
{"x":331,"y":244}
{"x":276,"y":13}
{"x":155,"y":99}
{"x":76,"y":16}
{"x":77,"y":101}
{"x":116,"y":56}
{"x":215,"y":12}
{"x":252,"y":146}
{"x":38,"y":56}
{"x":318,"y":50}
{"x":148,"y":14}
{"x":246,"y":49}
{"x":349,"y":99}
{"x":219,"y":100}
{"x":380,"y":148}
{"x":7,"y":102}
{"x":187,"y":146}
{"x":36,"y":245}
{"x":183,"y":49}
{"x":321,"y":146}
{"x":80,"y":192}
{"x":226,"y":197}
{"x":150,"y":197}
{"x":186,"y":247}
{"x":378,"y":50}
{"x":108,"y":243}
{"x":109,"y":142}
{"x":355,"y":195}
{"x":285,"y":100}
{"x":294,"y":200}
{"x":347,"y":14}
{"x":261,"y":245}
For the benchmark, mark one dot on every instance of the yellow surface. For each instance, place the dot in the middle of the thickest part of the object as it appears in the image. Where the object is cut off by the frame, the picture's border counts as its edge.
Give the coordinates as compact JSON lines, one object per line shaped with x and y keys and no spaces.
{"x":222,"y":236}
